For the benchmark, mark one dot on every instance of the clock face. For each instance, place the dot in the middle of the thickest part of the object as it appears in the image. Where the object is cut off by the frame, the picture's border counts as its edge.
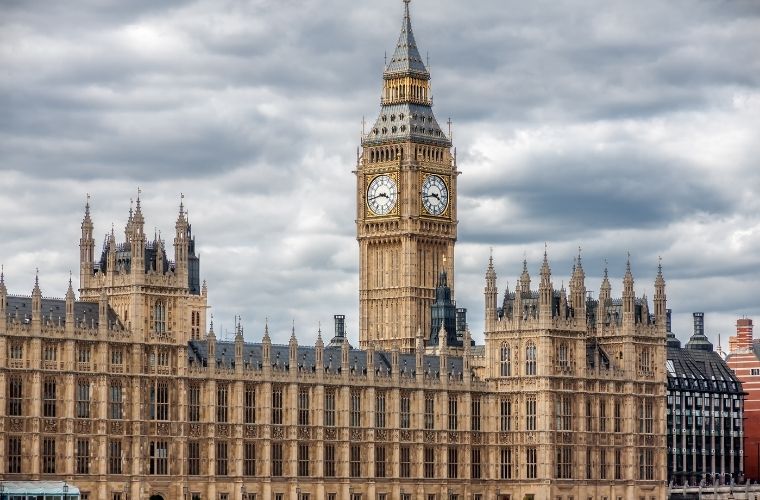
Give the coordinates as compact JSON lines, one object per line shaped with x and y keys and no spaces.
{"x":382,"y":195}
{"x":435,"y":195}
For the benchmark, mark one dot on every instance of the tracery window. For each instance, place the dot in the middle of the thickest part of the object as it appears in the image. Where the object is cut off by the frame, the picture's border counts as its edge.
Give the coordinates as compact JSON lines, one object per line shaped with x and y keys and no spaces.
{"x":405,"y":404}
{"x":530,"y":412}
{"x":222,"y":403}
{"x":159,"y":317}
{"x":303,"y":406}
{"x":159,"y":458}
{"x":506,"y":362}
{"x":330,"y":407}
{"x":83,"y":399}
{"x":645,"y":360}
{"x":505,"y":406}
{"x":380,"y":410}
{"x":530,"y":359}
{"x":15,"y":396}
{"x":356,"y":409}
{"x":562,"y":356}
{"x":277,"y":405}
{"x":249,"y":402}
{"x":49,"y":400}
{"x":159,"y":400}
{"x":193,"y":403}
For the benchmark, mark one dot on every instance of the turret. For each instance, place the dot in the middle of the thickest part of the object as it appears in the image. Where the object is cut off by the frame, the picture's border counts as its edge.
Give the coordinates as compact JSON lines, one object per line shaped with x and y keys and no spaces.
{"x":319,"y":352}
{"x":467,"y":357}
{"x":524,"y":279}
{"x":103,"y":313}
{"x":442,"y":353}
{"x":490,"y":293}
{"x":660,"y":300}
{"x":70,"y":299}
{"x":293,"y":350}
{"x":578,"y":291}
{"x":370,"y":353}
{"x":4,"y":301}
{"x":181,"y":245}
{"x":545,"y":292}
{"x":395,"y":366}
{"x":86,"y":247}
{"x":239,"y":346}
{"x":628,"y":296}
{"x":605,"y":293}
{"x":344,"y":353}
{"x":137,"y":240}
{"x":517,"y":309}
{"x":36,"y":306}
{"x":266,"y":349}
{"x":111,"y":263}
{"x":211,"y":345}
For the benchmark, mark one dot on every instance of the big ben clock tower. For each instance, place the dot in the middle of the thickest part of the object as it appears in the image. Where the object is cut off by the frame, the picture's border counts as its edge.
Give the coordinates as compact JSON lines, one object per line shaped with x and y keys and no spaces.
{"x":406,"y":205}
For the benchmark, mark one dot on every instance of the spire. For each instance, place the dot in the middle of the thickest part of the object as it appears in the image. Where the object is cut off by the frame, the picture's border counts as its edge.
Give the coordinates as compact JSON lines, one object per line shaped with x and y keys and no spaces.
{"x":525,"y":278}
{"x":211,"y":327}
{"x":70,"y":290}
{"x":406,"y":59}
{"x":320,"y":342}
{"x":3,"y":290}
{"x":266,"y":338}
{"x":36,"y":290}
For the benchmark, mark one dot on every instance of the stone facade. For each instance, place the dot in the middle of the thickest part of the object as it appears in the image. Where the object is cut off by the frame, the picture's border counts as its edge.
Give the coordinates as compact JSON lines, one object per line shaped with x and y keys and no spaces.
{"x":127,"y":394}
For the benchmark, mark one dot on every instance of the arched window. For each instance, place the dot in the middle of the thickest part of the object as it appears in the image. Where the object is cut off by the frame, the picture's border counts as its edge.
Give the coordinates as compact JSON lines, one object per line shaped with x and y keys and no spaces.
{"x":562,"y":356}
{"x":645,"y":360}
{"x":530,"y":359}
{"x":506,"y":363}
{"x":159,"y":317}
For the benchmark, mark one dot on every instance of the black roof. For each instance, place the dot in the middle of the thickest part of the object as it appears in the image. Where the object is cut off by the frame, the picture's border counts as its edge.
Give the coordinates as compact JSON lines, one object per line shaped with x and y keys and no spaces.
{"x":357,"y":358}
{"x":700,"y":371}
{"x":54,"y":310}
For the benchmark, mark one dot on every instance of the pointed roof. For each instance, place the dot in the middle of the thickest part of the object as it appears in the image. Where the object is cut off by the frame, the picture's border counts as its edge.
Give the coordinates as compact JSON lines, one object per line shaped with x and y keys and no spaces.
{"x":406,"y":58}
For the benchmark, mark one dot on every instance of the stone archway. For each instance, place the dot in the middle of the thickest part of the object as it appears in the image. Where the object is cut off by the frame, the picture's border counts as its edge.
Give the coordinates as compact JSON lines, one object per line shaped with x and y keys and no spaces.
{"x":156,"y":496}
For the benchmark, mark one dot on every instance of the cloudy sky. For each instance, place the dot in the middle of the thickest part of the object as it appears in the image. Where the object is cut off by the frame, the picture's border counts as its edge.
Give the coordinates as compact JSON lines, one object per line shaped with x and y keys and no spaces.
{"x":614,"y":126}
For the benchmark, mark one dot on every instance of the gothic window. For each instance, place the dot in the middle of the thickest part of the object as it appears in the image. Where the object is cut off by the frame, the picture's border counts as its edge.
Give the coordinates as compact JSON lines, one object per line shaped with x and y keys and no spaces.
{"x":114,"y":456}
{"x":646,"y":464}
{"x":602,"y":415}
{"x":193,"y":458}
{"x":645,"y":360}
{"x":13,"y":451}
{"x":159,"y":317}
{"x":249,"y":402}
{"x":159,"y":400}
{"x":602,"y":463}
{"x":429,"y":461}
{"x":84,"y":352}
{"x":475,"y":463}
{"x":277,"y":405}
{"x":618,"y":416}
{"x":356,"y":409}
{"x":429,"y":411}
{"x":589,"y":416}
{"x":505,"y":464}
{"x":530,"y":359}
{"x":506,"y":361}
{"x":82,"y":459}
{"x":48,"y":456}
{"x":646,"y":416}
{"x":379,"y":461}
{"x":618,"y":464}
{"x":564,"y":413}
{"x":405,"y":462}
{"x":15,"y":396}
{"x":50,"y":352}
{"x":453,"y":462}
{"x":221,"y":458}
{"x":564,"y":462}
{"x":453,"y":404}
{"x":330,"y":407}
{"x":222,"y":403}
{"x":405,"y":404}
{"x":562,"y":356}
{"x":303,"y":406}
{"x":163,"y":357}
{"x":83,"y":399}
{"x":380,"y":410}
{"x":355,"y":460}
{"x":16,"y":350}
{"x":329,"y":468}
{"x":158,"y":463}
{"x":475,"y":414}
{"x":530,"y":412}
{"x":193,"y":403}
{"x":49,"y":400}
{"x":505,"y":407}
{"x":249,"y":458}
{"x":589,"y":464}
{"x":531,"y":462}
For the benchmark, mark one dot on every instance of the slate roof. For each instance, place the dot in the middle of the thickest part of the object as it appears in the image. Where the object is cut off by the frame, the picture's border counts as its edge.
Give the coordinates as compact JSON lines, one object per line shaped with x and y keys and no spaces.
{"x":406,"y":121}
{"x":700,"y":371}
{"x":406,"y":58}
{"x":55,"y":311}
{"x":252,"y":355}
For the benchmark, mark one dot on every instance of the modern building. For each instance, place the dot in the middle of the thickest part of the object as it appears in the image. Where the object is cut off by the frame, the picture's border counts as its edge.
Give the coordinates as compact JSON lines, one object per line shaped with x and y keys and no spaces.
{"x":744,"y":360}
{"x":128,"y":395}
{"x":705,"y":413}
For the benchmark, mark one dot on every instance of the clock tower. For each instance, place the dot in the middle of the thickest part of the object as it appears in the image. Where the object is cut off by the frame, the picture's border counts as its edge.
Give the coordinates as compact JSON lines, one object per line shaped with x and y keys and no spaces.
{"x":406,"y":205}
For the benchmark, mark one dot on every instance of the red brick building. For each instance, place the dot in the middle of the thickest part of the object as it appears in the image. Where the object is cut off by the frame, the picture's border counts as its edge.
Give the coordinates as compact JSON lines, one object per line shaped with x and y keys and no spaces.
{"x":744,"y":360}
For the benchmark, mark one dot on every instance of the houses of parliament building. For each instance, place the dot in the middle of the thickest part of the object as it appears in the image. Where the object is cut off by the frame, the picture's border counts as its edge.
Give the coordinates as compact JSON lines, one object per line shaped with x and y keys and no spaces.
{"x":127,"y":393}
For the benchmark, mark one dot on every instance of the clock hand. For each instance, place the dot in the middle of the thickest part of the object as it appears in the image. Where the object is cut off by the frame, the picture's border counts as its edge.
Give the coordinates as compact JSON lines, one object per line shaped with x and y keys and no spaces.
{"x":381,"y":195}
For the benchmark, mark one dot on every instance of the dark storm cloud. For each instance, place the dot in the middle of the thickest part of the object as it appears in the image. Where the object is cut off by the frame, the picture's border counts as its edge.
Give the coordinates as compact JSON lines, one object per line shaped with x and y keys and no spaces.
{"x":615,"y":126}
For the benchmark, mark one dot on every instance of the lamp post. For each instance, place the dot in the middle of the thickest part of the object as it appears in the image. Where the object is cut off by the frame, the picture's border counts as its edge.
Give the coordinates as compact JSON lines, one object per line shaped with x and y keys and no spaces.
{"x":65,"y":491}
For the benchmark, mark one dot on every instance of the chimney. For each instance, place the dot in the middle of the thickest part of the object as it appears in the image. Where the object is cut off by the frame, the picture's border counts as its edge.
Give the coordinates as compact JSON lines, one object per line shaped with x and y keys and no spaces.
{"x":340,"y":325}
{"x":699,"y":324}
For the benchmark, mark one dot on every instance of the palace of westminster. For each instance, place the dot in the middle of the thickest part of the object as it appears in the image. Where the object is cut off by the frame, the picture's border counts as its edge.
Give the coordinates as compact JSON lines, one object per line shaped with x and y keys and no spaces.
{"x":126,"y":392}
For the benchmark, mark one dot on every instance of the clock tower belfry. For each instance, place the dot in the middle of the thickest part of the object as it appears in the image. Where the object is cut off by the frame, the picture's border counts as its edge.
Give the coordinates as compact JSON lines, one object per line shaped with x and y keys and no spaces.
{"x":406,"y":205}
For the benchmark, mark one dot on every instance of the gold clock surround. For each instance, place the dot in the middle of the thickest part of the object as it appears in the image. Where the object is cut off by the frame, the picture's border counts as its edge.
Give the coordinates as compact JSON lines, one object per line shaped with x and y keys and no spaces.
{"x":447,"y":182}
{"x":394,"y":211}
